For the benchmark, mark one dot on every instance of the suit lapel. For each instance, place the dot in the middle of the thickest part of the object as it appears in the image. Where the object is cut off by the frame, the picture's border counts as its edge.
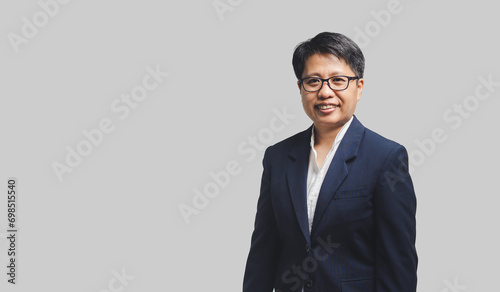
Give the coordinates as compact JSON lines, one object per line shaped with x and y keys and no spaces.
{"x":297,"y":180}
{"x":338,"y":170}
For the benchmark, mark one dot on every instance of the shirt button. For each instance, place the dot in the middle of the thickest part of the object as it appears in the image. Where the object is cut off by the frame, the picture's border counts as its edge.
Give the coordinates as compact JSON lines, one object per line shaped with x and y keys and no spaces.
{"x":309,"y":284}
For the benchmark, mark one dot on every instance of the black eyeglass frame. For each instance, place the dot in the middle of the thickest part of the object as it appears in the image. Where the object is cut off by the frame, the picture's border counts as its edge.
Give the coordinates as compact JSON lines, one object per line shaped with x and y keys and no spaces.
{"x":349,"y":78}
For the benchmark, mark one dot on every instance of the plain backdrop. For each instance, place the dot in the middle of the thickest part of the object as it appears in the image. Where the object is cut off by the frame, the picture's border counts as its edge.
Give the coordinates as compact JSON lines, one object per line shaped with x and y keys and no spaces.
{"x":229,"y":75}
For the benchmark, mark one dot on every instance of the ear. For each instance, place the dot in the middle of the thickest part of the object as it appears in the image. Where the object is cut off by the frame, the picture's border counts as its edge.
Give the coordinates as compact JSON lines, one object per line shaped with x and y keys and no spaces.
{"x":298,"y":84}
{"x":360,"y":84}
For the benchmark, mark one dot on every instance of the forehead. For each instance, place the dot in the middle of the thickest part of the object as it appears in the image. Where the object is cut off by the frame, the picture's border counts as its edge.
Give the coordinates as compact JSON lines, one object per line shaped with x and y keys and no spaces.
{"x":325,"y":65}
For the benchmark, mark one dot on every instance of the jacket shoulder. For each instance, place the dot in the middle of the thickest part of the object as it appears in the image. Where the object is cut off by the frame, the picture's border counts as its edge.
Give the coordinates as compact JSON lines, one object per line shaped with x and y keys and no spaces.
{"x":285,"y":145}
{"x":382,"y":144}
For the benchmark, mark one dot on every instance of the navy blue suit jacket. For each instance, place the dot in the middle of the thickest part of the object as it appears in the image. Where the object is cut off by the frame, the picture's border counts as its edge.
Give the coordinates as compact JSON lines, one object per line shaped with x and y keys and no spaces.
{"x":363,"y":233}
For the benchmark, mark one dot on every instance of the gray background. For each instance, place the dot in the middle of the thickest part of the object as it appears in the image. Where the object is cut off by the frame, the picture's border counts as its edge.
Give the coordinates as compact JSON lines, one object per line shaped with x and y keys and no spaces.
{"x":119,"y":209}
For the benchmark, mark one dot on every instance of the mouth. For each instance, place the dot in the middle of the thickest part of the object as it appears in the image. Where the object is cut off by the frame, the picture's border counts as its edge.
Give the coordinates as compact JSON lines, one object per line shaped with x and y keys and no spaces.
{"x":326,"y":108}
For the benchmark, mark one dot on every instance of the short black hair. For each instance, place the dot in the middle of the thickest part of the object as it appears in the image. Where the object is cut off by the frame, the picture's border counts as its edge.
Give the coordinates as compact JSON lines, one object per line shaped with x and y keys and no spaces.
{"x":329,"y":43}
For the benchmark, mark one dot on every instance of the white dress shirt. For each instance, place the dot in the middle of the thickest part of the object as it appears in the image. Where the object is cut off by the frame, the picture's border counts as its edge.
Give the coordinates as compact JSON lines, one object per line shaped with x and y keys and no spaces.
{"x":316,"y":175}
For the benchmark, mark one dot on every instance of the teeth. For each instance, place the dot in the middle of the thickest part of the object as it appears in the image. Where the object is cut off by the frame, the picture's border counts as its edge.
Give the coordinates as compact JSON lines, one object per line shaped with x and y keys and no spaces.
{"x":326,"y":106}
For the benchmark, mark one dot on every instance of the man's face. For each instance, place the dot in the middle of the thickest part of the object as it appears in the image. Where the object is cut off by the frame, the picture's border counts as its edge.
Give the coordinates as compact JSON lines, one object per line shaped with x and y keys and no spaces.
{"x":340,"y":104}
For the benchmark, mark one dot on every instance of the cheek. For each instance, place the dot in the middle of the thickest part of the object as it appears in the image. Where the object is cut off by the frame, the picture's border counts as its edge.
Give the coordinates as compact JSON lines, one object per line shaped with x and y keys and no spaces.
{"x":306,"y":105}
{"x":348,"y":100}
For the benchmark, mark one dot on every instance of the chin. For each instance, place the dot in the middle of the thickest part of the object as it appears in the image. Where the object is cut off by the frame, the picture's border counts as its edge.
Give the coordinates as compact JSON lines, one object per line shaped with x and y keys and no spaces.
{"x":330,"y":121}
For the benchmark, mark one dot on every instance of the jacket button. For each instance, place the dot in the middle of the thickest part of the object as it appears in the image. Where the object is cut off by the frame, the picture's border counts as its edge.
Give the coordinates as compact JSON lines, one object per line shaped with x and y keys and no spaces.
{"x":307,"y":247}
{"x":309,"y":284}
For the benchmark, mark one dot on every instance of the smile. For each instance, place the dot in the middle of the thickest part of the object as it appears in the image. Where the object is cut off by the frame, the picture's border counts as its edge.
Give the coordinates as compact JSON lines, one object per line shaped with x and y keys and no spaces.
{"x":328,"y":106}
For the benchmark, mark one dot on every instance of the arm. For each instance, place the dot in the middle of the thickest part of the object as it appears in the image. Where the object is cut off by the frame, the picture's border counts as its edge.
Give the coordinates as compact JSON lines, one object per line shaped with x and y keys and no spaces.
{"x":265,"y":247}
{"x":395,"y":226}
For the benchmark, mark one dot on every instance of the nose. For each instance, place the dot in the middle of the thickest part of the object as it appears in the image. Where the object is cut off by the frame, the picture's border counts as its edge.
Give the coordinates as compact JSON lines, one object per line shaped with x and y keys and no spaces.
{"x":325,"y":91}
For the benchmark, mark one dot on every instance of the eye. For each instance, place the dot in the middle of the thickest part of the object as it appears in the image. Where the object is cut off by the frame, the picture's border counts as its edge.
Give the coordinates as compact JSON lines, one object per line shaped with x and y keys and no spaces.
{"x":312,"y":81}
{"x":338,"y":79}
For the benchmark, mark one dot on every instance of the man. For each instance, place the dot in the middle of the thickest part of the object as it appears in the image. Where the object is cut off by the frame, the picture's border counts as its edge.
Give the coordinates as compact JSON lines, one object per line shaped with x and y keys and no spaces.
{"x":337,"y":207}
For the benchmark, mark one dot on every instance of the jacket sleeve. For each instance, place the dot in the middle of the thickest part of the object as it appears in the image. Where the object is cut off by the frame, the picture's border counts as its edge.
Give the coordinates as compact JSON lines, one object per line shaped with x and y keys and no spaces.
{"x":395,"y":226}
{"x":266,"y":245}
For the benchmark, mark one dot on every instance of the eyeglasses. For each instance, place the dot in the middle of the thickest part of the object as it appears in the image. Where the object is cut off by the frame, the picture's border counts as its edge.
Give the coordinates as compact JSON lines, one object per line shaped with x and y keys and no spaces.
{"x":336,"y":83}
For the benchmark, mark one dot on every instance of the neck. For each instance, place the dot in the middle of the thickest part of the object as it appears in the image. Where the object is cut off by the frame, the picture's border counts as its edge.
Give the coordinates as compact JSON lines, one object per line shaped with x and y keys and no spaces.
{"x":325,"y":136}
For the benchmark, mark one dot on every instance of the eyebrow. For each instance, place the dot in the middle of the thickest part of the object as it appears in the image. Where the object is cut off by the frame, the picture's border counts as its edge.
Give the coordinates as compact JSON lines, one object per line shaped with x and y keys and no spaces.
{"x":318,"y":75}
